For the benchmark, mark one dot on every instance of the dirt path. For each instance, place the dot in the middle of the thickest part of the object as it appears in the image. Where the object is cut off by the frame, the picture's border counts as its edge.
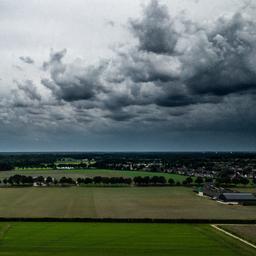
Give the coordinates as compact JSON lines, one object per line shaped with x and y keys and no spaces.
{"x":236,"y":237}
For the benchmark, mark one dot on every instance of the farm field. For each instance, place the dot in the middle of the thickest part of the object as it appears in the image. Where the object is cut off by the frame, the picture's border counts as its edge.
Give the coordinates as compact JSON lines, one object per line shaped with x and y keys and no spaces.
{"x":116,"y":202}
{"x":105,"y":239}
{"x":88,"y":173}
{"x":247,"y":232}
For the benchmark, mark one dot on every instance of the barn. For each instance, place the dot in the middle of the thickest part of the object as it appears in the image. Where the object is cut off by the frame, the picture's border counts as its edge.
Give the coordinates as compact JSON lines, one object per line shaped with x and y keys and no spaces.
{"x":241,"y":198}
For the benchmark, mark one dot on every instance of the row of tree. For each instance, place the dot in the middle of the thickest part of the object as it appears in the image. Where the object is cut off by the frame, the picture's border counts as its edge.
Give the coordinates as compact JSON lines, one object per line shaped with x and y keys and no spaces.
{"x":138,"y":181}
{"x":40,"y":180}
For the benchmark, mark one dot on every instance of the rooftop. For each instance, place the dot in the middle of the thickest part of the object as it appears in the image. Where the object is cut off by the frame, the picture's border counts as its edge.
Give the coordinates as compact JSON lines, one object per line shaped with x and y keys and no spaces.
{"x":239,"y":196}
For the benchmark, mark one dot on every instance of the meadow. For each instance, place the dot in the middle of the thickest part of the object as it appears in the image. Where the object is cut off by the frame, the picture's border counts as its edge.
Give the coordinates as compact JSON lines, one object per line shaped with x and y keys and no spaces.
{"x":105,"y":239}
{"x":116,"y":202}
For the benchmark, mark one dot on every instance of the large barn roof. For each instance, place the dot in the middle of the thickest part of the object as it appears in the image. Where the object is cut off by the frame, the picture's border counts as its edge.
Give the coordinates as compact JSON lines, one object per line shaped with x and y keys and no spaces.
{"x":239,"y":196}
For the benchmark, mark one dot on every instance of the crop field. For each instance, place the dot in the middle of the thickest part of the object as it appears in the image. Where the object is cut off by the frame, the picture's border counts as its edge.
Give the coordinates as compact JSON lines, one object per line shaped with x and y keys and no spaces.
{"x":88,"y":173}
{"x":247,"y":232}
{"x":116,"y":202}
{"x":75,"y":239}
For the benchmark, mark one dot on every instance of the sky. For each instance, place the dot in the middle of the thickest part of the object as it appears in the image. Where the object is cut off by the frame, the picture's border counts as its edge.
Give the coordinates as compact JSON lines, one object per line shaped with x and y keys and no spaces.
{"x":121,"y":75}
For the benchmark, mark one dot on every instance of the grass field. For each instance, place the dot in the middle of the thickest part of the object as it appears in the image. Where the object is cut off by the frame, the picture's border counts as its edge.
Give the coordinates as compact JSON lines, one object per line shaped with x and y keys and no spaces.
{"x":119,"y":202}
{"x":104,"y":239}
{"x":88,"y":173}
{"x":247,"y":232}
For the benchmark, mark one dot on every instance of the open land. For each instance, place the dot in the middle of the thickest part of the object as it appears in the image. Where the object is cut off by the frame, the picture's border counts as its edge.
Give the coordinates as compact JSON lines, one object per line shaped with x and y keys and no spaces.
{"x":116,"y":202}
{"x":66,"y":239}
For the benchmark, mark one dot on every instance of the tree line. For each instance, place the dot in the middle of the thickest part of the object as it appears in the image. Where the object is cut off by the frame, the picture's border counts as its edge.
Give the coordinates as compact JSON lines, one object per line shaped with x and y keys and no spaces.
{"x":137,"y":181}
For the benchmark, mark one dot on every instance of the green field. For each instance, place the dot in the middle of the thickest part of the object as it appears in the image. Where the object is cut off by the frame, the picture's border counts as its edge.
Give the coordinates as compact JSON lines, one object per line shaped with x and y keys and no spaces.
{"x":75,"y":239}
{"x":116,"y":202}
{"x":88,"y":173}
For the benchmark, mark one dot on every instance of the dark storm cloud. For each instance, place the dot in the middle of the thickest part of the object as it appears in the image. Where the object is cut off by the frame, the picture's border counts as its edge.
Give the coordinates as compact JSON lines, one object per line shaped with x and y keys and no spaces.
{"x":169,"y":67}
{"x":72,"y":82}
{"x":233,"y":42}
{"x":155,"y":30}
{"x":27,"y":59}
{"x":178,"y":76}
{"x":195,"y":65}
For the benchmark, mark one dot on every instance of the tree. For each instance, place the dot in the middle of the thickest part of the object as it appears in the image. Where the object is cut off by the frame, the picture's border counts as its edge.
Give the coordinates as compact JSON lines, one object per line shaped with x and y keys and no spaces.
{"x":199,"y":180}
{"x":161,"y":180}
{"x":146,"y":180}
{"x":128,"y":181}
{"x":97,"y":179}
{"x":88,"y":181}
{"x":114,"y":180}
{"x":208,"y":179}
{"x":63,"y":180}
{"x":80,"y":181}
{"x":138,"y":180}
{"x":171,"y":181}
{"x":189,"y":180}
{"x":49,"y":180}
{"x":29,"y":180}
{"x":39,"y":179}
{"x":244,"y":181}
{"x":184,"y":183}
{"x":5,"y":167}
{"x":105,"y":180}
{"x":235,"y":181}
{"x":154,"y":180}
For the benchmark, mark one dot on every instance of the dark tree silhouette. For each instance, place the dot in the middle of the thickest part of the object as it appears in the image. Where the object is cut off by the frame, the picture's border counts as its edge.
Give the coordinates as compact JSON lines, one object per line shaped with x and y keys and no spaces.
{"x":171,"y":181}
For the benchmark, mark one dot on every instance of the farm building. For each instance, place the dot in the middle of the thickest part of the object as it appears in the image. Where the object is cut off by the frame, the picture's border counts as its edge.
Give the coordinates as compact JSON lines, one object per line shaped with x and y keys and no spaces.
{"x":241,"y":198}
{"x":214,"y":192}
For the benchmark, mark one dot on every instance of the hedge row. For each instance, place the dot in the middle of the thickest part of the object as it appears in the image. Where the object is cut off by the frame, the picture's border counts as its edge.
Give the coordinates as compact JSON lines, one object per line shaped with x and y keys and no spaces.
{"x":131,"y":220}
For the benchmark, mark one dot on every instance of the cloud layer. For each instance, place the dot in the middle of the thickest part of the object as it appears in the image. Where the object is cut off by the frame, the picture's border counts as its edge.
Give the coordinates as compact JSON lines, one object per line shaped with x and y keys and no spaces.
{"x":176,"y":76}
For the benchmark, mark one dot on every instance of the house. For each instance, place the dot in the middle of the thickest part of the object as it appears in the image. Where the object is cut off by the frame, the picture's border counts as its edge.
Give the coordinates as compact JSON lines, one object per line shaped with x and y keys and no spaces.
{"x":241,"y":198}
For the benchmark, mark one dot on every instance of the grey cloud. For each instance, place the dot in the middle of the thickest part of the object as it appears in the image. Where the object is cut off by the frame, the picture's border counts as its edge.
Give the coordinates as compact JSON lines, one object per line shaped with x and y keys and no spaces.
{"x":121,"y":116}
{"x":27,"y":59}
{"x":210,"y":60}
{"x":179,"y":81}
{"x":55,"y":58}
{"x":72,"y":82}
{"x":176,"y":79}
{"x":232,"y":42}
{"x":155,"y":30}
{"x":30,"y":90}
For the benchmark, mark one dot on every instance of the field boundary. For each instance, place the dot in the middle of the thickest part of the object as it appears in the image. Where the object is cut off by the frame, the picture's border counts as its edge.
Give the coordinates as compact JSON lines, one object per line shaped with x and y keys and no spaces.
{"x":130,"y":220}
{"x":234,"y":236}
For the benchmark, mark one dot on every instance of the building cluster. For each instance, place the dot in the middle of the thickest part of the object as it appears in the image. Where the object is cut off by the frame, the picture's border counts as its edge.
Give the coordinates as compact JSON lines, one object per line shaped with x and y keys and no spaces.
{"x":227,"y":196}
